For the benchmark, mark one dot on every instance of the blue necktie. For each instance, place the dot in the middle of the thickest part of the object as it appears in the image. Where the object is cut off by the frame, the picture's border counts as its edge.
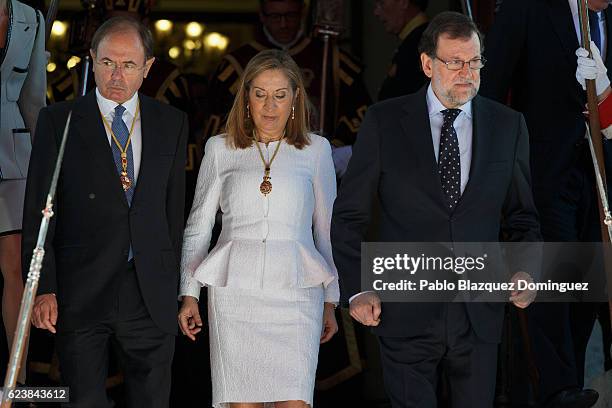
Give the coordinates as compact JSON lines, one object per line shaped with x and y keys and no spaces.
{"x":594,"y":28}
{"x":122,"y":133}
{"x":449,"y":163}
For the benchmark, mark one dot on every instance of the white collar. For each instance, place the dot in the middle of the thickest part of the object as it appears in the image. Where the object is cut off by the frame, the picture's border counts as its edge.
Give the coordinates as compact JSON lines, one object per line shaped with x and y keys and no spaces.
{"x":573,"y":7}
{"x":107,"y":107}
{"x":283,"y":47}
{"x":434,"y":106}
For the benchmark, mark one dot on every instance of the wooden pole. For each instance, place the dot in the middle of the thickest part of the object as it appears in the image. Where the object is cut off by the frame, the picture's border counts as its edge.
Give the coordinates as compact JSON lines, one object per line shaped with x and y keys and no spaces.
{"x":597,"y":143}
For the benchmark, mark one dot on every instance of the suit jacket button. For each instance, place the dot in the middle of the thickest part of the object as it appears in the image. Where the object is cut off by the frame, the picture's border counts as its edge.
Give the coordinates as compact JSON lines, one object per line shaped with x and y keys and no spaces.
{"x":92,"y":196}
{"x":126,"y":252}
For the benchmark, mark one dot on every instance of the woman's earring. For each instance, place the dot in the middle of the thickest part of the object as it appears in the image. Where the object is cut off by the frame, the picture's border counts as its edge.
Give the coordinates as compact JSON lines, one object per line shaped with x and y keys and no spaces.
{"x":248,"y":112}
{"x":293,"y":112}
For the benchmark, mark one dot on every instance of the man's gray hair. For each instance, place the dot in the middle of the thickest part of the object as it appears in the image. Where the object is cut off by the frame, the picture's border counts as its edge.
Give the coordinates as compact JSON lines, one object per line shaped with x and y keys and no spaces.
{"x":124,"y":23}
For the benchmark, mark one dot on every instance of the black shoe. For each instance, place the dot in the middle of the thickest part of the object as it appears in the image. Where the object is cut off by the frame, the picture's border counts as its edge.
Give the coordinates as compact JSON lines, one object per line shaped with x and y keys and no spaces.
{"x":574,"y":398}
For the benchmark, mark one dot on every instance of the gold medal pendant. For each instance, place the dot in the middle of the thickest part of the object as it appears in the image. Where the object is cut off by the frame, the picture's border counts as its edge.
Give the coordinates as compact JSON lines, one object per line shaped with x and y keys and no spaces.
{"x":125,"y":181}
{"x":266,"y":187}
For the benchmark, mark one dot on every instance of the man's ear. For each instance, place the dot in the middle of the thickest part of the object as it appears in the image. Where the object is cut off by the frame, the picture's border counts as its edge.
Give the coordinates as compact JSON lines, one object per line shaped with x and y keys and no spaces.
{"x":93,"y":58}
{"x":427,"y":64}
{"x":148,"y":64}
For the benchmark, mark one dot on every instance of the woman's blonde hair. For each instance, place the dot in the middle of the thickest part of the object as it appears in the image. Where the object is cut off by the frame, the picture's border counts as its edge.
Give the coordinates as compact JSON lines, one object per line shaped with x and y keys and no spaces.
{"x":239,"y":126}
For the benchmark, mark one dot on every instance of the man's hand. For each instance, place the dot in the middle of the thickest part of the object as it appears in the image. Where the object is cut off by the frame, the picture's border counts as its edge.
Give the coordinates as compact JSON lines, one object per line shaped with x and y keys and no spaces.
{"x":365,"y":308}
{"x":189,"y":317}
{"x":44,"y":312}
{"x":522,"y":298}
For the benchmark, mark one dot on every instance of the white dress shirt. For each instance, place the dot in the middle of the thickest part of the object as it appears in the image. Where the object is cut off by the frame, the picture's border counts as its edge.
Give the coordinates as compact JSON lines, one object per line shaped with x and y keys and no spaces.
{"x":602,"y":27}
{"x":107,"y":107}
{"x":463,"y":126}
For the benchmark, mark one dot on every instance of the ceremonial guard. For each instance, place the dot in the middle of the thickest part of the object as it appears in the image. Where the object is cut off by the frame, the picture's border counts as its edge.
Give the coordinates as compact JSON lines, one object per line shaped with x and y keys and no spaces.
{"x":406,"y":20}
{"x":347,"y":97}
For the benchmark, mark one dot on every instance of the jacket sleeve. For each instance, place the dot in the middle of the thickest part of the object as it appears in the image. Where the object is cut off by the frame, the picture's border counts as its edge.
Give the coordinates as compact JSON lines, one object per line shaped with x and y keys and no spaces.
{"x":175,"y":198}
{"x":40,"y":172}
{"x":34,"y":90}
{"x":198,"y":231}
{"x":352,"y":209}
{"x":520,"y":217}
{"x":324,"y":187}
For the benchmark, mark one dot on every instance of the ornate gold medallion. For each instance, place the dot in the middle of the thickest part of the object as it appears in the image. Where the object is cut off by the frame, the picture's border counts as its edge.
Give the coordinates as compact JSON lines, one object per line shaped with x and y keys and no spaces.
{"x":125,"y":181}
{"x":266,"y":187}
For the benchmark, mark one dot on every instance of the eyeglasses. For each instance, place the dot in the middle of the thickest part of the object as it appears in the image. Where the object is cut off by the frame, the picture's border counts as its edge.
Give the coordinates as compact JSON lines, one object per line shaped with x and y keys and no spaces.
{"x":290,"y":17}
{"x":128,"y":68}
{"x":457,"y":65}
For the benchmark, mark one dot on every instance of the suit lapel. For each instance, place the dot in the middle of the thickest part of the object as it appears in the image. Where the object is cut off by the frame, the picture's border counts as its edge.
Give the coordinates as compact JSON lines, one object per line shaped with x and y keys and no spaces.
{"x":482,"y":135}
{"x":417,"y":130}
{"x":151,"y":128}
{"x":90,"y":129}
{"x":563,"y":24}
{"x":18,"y":37}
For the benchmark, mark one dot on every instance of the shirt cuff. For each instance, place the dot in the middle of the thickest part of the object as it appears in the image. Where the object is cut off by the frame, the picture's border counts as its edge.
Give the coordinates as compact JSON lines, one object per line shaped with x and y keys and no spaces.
{"x":360,"y":293}
{"x":332,"y":293}
{"x":190,"y":288}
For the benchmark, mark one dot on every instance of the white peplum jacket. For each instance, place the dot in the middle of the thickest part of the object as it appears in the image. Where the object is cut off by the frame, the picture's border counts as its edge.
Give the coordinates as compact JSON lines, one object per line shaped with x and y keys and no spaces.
{"x":281,"y":240}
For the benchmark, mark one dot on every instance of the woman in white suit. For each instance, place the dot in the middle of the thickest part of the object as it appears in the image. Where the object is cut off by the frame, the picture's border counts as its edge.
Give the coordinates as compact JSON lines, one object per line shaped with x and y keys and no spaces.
{"x":23,"y":89}
{"x":272,"y":283}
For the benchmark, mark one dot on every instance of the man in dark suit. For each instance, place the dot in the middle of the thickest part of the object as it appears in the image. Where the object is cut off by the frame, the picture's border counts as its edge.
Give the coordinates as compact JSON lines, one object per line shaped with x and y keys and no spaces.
{"x":407,"y":20}
{"x":531,"y":61}
{"x":111,"y":264}
{"x":406,"y":157}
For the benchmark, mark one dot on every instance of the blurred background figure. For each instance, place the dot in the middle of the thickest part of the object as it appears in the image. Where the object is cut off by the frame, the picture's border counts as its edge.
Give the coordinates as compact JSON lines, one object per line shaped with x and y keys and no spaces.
{"x":405,"y":19}
{"x":282,"y":27}
{"x":22,"y":54}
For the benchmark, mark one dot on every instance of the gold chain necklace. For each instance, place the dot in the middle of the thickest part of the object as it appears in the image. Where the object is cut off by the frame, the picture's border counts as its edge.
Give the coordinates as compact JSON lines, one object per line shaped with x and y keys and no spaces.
{"x":125,"y":180}
{"x":266,"y":187}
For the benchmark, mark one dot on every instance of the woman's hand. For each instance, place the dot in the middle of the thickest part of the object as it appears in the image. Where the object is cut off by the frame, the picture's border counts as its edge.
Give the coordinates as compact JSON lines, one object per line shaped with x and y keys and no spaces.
{"x":330,"y":326}
{"x":189,"y":317}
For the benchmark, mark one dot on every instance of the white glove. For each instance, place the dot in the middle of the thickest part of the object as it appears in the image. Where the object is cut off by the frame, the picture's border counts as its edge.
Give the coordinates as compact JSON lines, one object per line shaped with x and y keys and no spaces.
{"x":592,"y":68}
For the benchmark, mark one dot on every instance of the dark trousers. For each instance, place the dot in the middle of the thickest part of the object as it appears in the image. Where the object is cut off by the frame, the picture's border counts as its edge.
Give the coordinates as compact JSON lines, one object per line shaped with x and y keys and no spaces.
{"x":411,"y":365}
{"x":145,"y":352}
{"x":560,"y":332}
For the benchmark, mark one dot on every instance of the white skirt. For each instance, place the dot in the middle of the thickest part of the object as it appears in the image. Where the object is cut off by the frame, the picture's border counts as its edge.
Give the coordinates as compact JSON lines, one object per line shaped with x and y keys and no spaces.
{"x":264,"y":344}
